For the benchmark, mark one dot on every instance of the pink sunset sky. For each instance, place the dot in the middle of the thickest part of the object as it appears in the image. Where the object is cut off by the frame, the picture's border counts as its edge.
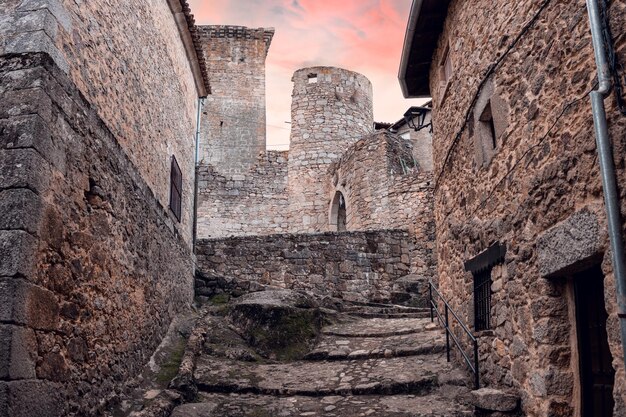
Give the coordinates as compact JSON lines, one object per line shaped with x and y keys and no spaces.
{"x":365,"y":36}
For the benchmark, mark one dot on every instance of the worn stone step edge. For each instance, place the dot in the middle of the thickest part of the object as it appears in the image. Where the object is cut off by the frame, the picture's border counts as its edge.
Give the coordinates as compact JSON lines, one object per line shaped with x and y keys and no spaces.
{"x":422,"y":386}
{"x":377,"y":353}
{"x":353,"y":304}
{"x":368,"y":315}
{"x":390,"y":333}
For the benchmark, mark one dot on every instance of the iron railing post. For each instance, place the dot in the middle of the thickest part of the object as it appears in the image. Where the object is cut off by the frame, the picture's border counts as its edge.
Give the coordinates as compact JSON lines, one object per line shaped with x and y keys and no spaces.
{"x":447,"y":335}
{"x":430,"y":295}
{"x":476,"y":377}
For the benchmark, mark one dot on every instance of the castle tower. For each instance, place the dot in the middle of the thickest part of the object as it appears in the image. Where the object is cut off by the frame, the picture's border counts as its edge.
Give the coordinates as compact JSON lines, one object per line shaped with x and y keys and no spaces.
{"x":233,"y":122}
{"x":331,"y":109}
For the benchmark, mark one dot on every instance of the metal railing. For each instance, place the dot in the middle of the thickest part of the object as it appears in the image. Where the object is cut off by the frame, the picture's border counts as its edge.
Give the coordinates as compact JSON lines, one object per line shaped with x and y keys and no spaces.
{"x":473,"y":365}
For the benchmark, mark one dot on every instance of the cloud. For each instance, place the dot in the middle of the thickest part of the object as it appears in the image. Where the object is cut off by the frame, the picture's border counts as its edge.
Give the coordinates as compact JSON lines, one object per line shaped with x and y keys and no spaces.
{"x":360,"y":35}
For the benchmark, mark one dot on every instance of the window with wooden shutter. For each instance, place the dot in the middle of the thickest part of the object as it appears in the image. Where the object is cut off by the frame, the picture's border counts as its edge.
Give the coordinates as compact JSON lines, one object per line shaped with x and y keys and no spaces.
{"x":176,"y":189}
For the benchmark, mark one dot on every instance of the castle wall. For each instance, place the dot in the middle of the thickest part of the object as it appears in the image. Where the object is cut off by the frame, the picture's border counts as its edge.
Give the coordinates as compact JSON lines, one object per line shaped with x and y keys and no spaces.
{"x":331,"y":109}
{"x":92,"y":266}
{"x":538,"y":192}
{"x":129,"y":61}
{"x":233,"y":120}
{"x":253,"y":203}
{"x":383,"y":190}
{"x":359,"y":266}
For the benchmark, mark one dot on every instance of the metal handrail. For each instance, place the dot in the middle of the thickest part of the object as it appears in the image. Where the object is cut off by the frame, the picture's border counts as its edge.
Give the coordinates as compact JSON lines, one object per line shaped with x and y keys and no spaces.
{"x":446,"y":323}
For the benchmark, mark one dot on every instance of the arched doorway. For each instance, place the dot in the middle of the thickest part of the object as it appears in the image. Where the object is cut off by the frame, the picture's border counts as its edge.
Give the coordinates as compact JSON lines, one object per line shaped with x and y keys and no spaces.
{"x":338,"y":212}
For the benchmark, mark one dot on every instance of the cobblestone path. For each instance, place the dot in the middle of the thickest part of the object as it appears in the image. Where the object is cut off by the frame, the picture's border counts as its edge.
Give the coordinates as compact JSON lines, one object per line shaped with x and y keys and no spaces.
{"x":373,"y":361}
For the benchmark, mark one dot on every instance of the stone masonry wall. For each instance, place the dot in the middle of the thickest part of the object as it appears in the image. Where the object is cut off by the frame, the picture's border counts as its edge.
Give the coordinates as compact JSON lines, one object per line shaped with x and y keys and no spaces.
{"x":92,"y":268}
{"x":359,"y":266}
{"x":533,"y":62}
{"x":331,"y":109}
{"x":383,"y":190}
{"x":129,"y":61}
{"x":233,"y":121}
{"x":253,"y":203}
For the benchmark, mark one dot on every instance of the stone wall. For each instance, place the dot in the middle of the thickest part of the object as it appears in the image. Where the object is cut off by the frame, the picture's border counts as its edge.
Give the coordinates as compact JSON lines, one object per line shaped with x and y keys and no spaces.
{"x":360,"y":266}
{"x":384,"y":190}
{"x":233,"y":120}
{"x":129,"y":61}
{"x":92,"y":267}
{"x":331,"y":109}
{"x":253,"y":203}
{"x":541,"y":177}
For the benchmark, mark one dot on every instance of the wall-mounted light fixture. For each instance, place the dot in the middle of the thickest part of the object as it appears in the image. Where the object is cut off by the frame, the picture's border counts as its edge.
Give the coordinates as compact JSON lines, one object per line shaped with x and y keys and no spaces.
{"x":415,"y":117}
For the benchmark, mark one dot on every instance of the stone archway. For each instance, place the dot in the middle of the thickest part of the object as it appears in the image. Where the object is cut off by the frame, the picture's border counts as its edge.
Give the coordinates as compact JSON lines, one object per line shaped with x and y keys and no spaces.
{"x":337,"y":218}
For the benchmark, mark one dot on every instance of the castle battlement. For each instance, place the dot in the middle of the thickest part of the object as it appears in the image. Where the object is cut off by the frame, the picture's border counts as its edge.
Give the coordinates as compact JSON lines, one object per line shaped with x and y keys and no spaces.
{"x":237,"y":32}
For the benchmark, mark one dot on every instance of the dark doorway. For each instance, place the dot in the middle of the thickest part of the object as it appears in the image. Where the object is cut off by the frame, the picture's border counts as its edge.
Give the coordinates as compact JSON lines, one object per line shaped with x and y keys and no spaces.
{"x":595,"y":360}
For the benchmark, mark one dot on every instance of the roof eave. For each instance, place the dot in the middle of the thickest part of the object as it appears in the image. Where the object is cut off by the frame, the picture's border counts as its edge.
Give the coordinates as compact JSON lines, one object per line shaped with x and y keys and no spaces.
{"x":416,"y":8}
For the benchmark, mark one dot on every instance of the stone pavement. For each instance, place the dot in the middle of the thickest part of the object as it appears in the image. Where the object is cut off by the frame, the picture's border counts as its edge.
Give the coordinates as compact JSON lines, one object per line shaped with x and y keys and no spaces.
{"x":392,"y":367}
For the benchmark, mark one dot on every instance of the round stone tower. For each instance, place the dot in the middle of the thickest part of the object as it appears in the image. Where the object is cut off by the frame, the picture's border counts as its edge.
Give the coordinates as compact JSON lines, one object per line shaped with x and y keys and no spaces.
{"x":331,"y":109}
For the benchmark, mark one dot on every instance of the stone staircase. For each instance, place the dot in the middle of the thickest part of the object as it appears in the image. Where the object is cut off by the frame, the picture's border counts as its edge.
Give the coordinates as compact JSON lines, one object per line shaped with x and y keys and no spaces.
{"x":373,"y":360}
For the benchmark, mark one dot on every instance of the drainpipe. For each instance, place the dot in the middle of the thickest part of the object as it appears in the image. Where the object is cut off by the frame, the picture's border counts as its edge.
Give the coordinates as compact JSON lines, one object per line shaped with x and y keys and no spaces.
{"x":607,"y":166}
{"x":195,"y":181}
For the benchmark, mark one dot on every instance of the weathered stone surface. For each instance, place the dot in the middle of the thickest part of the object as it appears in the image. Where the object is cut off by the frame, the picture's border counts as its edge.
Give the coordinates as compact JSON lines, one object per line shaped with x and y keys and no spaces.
{"x":539,"y":191}
{"x":30,"y":399}
{"x":569,"y":244}
{"x":350,"y":265}
{"x":18,"y":347}
{"x":441,"y":404}
{"x":280,"y":324}
{"x":85,"y":270}
{"x":16,"y":251}
{"x":494,"y":400}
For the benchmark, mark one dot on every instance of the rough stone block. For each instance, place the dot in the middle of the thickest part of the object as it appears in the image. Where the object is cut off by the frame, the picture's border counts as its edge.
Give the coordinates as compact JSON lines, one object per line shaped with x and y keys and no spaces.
{"x":17,"y":252}
{"x":55,"y":7}
{"x":569,"y":244}
{"x":494,"y":400}
{"x":21,"y":209}
{"x":18,"y":352}
{"x":24,"y":303}
{"x":25,"y":102}
{"x":38,"y":41}
{"x":23,"y":168}
{"x":30,"y":399}
{"x":29,"y":131}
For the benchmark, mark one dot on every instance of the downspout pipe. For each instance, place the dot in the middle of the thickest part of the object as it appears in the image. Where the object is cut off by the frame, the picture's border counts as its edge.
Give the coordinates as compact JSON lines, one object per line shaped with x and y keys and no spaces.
{"x":607,"y":166}
{"x":195,"y":181}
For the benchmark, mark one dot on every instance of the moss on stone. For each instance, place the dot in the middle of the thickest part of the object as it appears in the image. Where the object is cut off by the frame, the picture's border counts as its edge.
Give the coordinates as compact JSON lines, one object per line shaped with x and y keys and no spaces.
{"x":170,"y":367}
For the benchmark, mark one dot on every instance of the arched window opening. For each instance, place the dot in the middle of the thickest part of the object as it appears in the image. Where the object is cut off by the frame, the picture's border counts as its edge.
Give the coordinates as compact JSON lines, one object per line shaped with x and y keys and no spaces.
{"x":338,"y":213}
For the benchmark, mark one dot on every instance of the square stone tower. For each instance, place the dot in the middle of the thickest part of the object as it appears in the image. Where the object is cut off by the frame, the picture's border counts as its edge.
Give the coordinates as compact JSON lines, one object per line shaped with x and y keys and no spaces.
{"x":233,"y":119}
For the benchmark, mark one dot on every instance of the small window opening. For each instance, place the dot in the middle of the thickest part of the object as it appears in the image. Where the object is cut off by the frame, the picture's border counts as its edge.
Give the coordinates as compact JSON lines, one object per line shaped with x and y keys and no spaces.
{"x":176,"y":189}
{"x":312,"y":78}
{"x":338,"y":213}
{"x":482,"y":300}
{"x":486,"y":118}
{"x":445,"y":70}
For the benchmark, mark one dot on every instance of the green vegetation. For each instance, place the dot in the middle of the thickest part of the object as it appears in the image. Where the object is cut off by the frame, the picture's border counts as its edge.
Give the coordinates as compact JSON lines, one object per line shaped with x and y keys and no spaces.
{"x":169,"y":369}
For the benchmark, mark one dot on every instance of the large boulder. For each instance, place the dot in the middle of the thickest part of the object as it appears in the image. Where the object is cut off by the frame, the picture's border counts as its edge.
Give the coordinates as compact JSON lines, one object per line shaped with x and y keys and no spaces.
{"x":278,"y":324}
{"x":410,"y":290}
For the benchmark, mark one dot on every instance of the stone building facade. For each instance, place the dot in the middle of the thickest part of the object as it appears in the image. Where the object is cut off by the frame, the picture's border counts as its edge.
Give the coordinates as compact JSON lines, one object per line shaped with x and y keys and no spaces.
{"x":247,"y":191}
{"x":94,"y":263}
{"x":519,"y":209}
{"x":233,"y":117}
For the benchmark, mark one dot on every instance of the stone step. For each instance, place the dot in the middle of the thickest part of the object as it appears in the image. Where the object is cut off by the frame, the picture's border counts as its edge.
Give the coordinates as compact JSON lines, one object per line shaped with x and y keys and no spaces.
{"x":380,"y":315}
{"x":384,"y":307}
{"x":447,"y":402}
{"x":402,"y":375}
{"x":379,"y":327}
{"x":331,"y":347}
